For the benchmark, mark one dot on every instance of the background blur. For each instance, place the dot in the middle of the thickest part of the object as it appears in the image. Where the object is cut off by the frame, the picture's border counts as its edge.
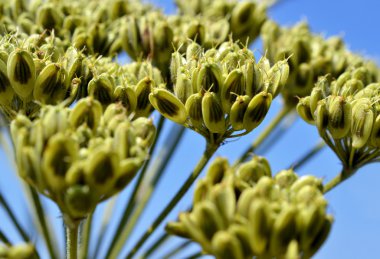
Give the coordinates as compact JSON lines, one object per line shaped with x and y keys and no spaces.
{"x":354,"y":204}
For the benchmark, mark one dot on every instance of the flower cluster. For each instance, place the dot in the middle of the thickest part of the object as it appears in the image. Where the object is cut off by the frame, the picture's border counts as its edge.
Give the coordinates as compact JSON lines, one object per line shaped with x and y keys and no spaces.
{"x":92,"y":27}
{"x":310,"y":56}
{"x":346,"y":112}
{"x":40,"y":71}
{"x":241,"y":19}
{"x":79,"y":157}
{"x":220,"y":90}
{"x":19,"y":251}
{"x":243,"y":212}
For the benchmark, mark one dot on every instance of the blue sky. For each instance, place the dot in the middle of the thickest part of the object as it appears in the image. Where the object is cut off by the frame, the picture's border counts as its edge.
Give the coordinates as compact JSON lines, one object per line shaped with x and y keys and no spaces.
{"x":354,"y":204}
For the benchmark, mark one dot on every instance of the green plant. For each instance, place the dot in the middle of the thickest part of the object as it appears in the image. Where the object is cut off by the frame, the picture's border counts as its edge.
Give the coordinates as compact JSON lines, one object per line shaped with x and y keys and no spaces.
{"x":80,"y":129}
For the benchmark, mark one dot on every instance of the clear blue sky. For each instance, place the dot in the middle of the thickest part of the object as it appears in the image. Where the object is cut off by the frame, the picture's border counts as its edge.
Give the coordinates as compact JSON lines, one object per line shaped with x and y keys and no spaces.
{"x":354,"y":204}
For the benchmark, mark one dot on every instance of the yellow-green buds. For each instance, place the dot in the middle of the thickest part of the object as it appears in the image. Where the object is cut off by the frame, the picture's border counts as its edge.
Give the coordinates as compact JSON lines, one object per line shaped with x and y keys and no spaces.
{"x":241,"y":212}
{"x":344,"y":111}
{"x":20,"y":251}
{"x":81,"y":156}
{"x":223,"y":90}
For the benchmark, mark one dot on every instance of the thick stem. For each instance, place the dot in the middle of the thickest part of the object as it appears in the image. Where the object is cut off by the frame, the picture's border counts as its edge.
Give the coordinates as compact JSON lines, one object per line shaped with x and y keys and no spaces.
{"x":341,"y":177}
{"x":264,"y":134}
{"x":129,"y":219}
{"x":72,"y":231}
{"x":210,"y":150}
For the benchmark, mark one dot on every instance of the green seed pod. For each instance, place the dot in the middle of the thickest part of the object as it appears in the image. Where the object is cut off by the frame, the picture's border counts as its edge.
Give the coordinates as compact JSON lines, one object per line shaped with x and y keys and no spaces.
{"x":310,"y":221}
{"x":306,"y":180}
{"x":142,"y":89}
{"x":87,"y":111}
{"x":232,"y":87}
{"x":145,"y":130}
{"x":127,"y":96}
{"x":315,"y":96}
{"x":278,"y":75}
{"x":78,"y":201}
{"x":245,"y":201}
{"x":194,"y":109}
{"x":225,"y":200}
{"x":54,"y":120}
{"x":361,"y":123}
{"x":6,"y":91}
{"x":260,"y":226}
{"x":238,"y":110}
{"x":177,"y":228}
{"x":131,"y":38}
{"x":196,"y":31}
{"x":122,"y":141}
{"x":193,"y":52}
{"x":101,"y":88}
{"x":168,"y":105}
{"x":28,"y":165}
{"x":49,"y":17}
{"x":242,"y":18}
{"x":213,"y":115}
{"x":351,"y":87}
{"x":320,"y":238}
{"x":209,"y":78}
{"x":375,"y":135}
{"x":241,"y":233}
{"x":253,"y":78}
{"x":102,"y":167}
{"x":176,"y":63}
{"x":183,"y":88}
{"x":256,"y":110}
{"x":286,"y":178}
{"x":194,"y":231}
{"x":217,"y":170}
{"x":226,"y":246}
{"x":76,"y":174}
{"x":51,"y":84}
{"x":201,"y":191}
{"x":284,"y":230}
{"x":250,"y":172}
{"x":304,"y":110}
{"x":21,"y":72}
{"x":128,"y":169}
{"x":60,"y":153}
{"x":339,"y":117}
{"x":208,"y":219}
{"x":321,"y":117}
{"x":292,"y":251}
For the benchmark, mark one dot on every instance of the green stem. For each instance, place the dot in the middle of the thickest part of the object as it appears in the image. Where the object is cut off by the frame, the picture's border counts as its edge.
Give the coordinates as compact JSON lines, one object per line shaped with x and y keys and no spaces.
{"x":13,"y":218}
{"x":341,"y":177}
{"x":159,"y":241}
{"x":194,"y":256}
{"x":177,"y":249}
{"x":210,"y":150}
{"x":36,"y":202}
{"x":108,"y":212}
{"x":85,"y":239}
{"x":72,"y":229}
{"x":4,"y":239}
{"x":127,"y":224}
{"x":130,"y":204}
{"x":306,"y":157}
{"x":264,"y":134}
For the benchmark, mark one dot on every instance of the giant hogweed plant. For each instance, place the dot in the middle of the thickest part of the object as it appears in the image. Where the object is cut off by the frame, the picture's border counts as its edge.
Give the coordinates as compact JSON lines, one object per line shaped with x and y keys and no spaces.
{"x":81,"y":129}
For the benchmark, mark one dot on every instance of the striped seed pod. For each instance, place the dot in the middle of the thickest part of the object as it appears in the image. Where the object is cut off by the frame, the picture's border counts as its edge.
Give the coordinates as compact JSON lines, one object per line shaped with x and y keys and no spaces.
{"x":21,"y":72}
{"x":340,"y":117}
{"x":168,"y":105}
{"x":256,"y":110}
{"x":213,"y":115}
{"x":362,"y":122}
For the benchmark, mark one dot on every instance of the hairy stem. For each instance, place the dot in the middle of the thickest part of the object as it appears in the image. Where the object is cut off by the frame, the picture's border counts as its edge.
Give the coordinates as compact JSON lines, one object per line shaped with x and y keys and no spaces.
{"x":210,"y":150}
{"x":72,"y":231}
{"x":85,"y":236}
